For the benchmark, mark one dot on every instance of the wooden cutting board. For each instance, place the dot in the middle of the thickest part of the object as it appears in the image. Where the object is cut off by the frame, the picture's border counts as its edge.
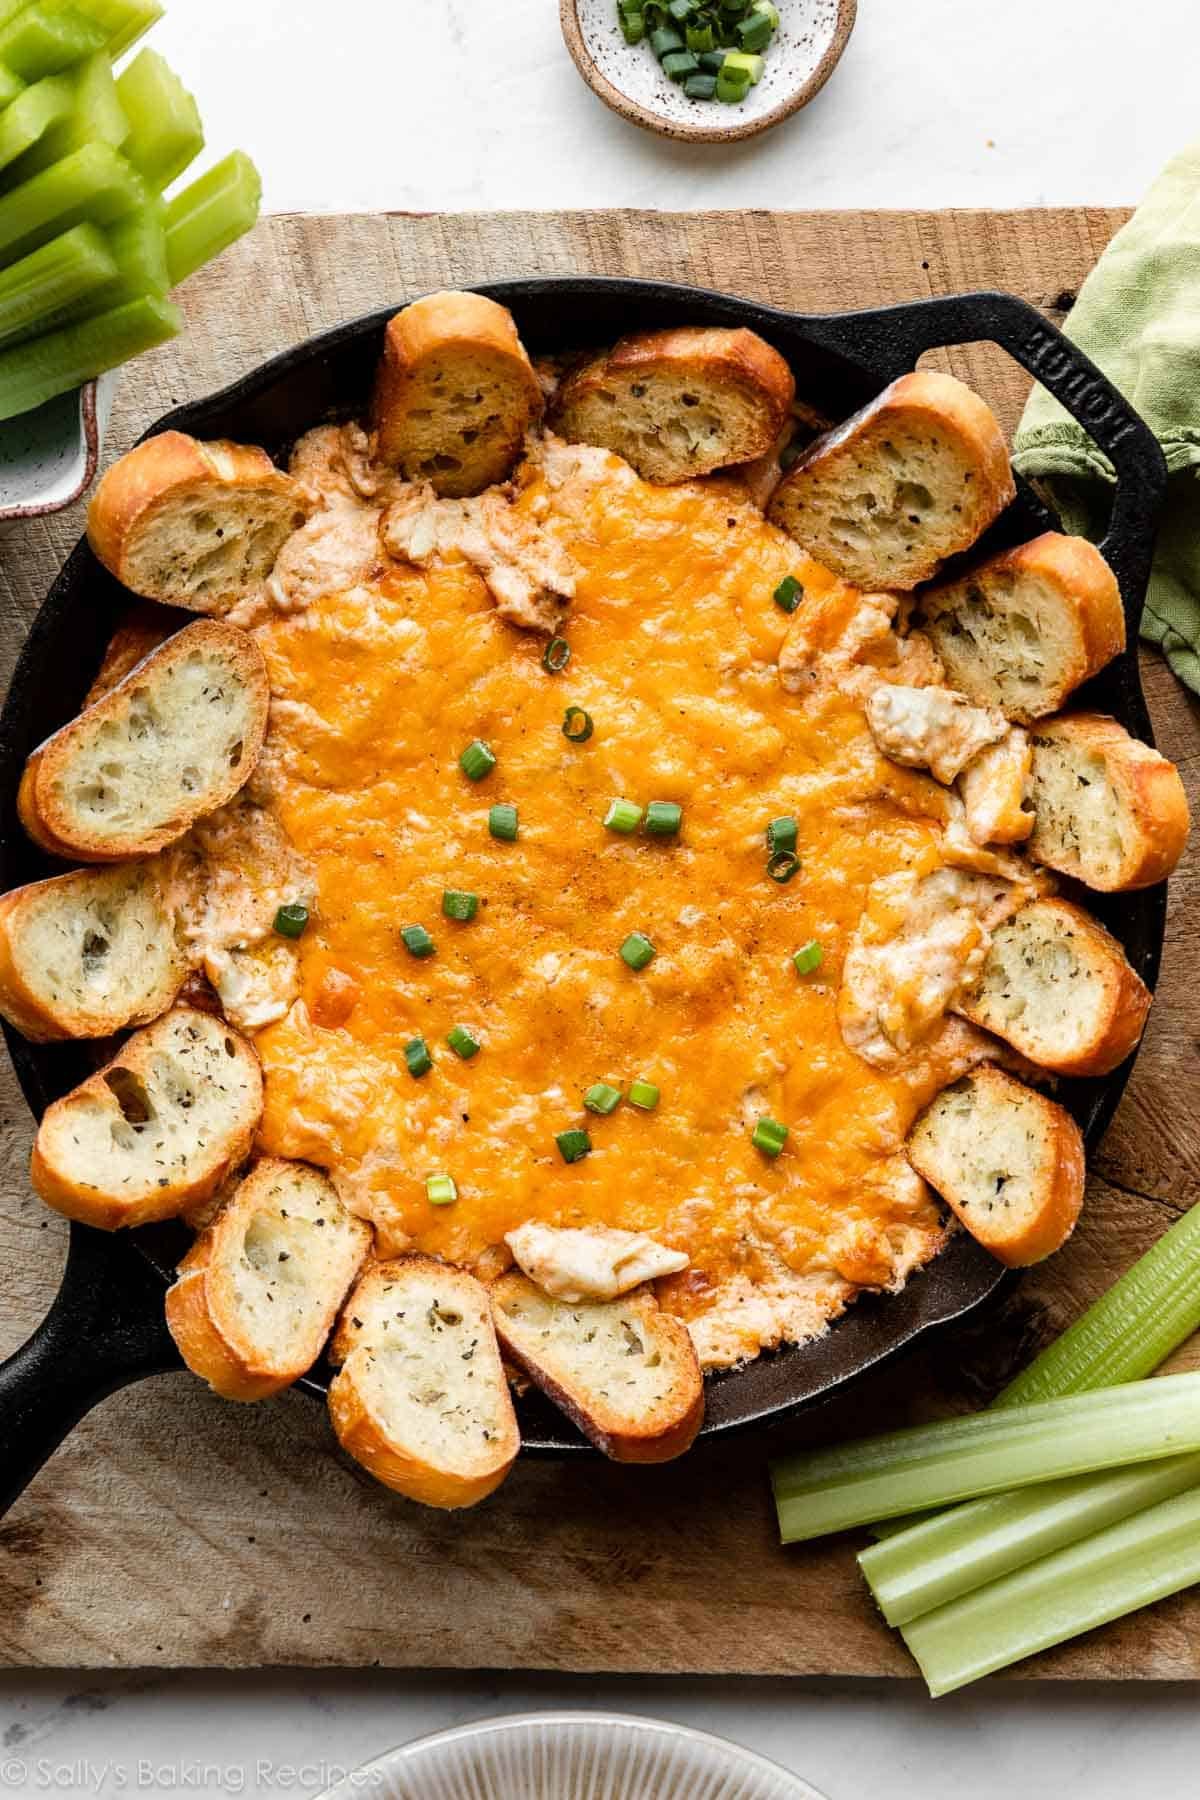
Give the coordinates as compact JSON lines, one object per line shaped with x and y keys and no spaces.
{"x":175,"y":1529}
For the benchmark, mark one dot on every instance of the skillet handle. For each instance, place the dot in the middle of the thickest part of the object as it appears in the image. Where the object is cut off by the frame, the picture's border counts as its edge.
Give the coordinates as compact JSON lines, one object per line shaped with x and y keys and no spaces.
{"x":104,"y":1330}
{"x":892,"y":338}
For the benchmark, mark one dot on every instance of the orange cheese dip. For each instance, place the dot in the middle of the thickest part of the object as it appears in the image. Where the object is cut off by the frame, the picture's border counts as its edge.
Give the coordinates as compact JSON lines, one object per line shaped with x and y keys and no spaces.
{"x":674,"y":637}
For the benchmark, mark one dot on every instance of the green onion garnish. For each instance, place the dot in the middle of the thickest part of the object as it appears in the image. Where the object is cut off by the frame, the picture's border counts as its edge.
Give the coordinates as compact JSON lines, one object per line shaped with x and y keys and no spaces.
{"x":462,"y":1042}
{"x":769,"y":11}
{"x":754,"y":33}
{"x":732,"y":84}
{"x":789,"y":594}
{"x":781,"y":835}
{"x":643,"y":1094}
{"x":440,"y":1190}
{"x":573,"y":1145}
{"x":637,"y":950}
{"x":623,"y":816}
{"x":633,"y":27}
{"x":477,"y":760}
{"x":678,"y":64}
{"x":681,"y":10}
{"x":700,"y":37}
{"x":711,"y":60}
{"x":783,"y":865}
{"x":739,"y":63}
{"x":291,"y":919}
{"x":460,"y":906}
{"x":700,"y":86}
{"x":502,"y":823}
{"x":416,"y":1055}
{"x":556,"y":656}
{"x":663,"y":818}
{"x":808,"y":957}
{"x":664,"y":40}
{"x":577,"y":726}
{"x":769,"y":1136}
{"x":602,"y":1098}
{"x":417,"y":940}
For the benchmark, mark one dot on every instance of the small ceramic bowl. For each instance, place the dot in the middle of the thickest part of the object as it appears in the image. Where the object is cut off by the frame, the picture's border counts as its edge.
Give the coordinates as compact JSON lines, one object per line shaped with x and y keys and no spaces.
{"x":571,"y":1756}
{"x":48,"y":457}
{"x":802,"y":56}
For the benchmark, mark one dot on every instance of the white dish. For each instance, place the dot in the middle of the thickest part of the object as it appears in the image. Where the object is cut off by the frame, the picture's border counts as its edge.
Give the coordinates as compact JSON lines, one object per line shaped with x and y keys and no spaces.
{"x":48,"y":457}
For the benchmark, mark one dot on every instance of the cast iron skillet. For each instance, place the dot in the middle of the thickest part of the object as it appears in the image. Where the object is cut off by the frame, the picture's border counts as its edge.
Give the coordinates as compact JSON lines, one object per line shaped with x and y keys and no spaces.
{"x":106,"y":1328}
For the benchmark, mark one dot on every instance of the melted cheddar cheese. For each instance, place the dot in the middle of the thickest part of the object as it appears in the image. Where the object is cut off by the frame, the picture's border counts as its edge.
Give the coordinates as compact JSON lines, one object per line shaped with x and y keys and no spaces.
{"x":674,"y":644}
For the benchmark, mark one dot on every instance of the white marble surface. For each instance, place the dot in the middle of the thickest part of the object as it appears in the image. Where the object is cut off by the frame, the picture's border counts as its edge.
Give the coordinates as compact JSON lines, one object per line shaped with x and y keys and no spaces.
{"x":471,"y":103}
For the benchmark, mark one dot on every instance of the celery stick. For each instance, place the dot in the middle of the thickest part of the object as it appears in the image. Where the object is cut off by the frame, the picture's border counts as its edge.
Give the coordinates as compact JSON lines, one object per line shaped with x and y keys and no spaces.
{"x":210,"y":213}
{"x":10,"y":86}
{"x":957,"y":1551}
{"x":32,"y":115}
{"x":34,"y":372}
{"x":38,"y":43}
{"x":136,"y":253}
{"x":1117,"y":1571}
{"x":95,"y":117}
{"x":984,"y":1453}
{"x":61,"y":272}
{"x":166,"y":134}
{"x":123,"y":22}
{"x":94,"y":183}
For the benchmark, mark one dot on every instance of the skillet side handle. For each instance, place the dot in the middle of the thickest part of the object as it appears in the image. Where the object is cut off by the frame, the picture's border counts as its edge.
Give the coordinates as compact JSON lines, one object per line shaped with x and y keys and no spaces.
{"x":104,"y":1330}
{"x":892,"y":339}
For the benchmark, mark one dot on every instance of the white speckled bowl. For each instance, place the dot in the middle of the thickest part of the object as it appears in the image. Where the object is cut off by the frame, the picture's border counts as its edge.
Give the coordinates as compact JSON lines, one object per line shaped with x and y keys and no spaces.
{"x":803,"y":55}
{"x":48,"y":457}
{"x":571,"y":1756}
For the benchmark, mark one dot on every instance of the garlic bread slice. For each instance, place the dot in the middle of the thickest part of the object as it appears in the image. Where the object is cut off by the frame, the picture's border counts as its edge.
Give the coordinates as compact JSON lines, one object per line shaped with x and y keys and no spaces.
{"x":1108,"y":810}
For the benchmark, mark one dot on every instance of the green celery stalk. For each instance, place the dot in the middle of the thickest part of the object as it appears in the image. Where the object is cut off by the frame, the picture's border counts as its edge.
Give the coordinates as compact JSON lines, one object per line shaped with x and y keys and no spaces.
{"x":38,"y":43}
{"x":95,"y":117}
{"x":94,"y":183}
{"x":35,"y":372}
{"x":10,"y":86}
{"x":211,"y":213}
{"x":1131,"y":1565}
{"x":166,"y":133}
{"x":136,"y":253}
{"x":956,"y":1459}
{"x":62,"y":271}
{"x":123,"y":22}
{"x":955,"y":1552}
{"x":32,"y":114}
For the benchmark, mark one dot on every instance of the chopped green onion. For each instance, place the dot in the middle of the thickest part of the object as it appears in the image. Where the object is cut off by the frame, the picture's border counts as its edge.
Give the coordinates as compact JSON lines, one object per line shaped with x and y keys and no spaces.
{"x":700,"y":38}
{"x":459,"y":905}
{"x":577,"y":726}
{"x":732,"y":84}
{"x":633,"y":27}
{"x":462,"y":1042}
{"x":556,"y":656}
{"x":738,"y":64}
{"x":602,"y":1098}
{"x":769,"y":1136}
{"x":984,"y":1453}
{"x":663,"y":818}
{"x":573,"y":1145}
{"x":502,"y":823}
{"x":711,"y":60}
{"x":783,"y":865}
{"x":769,"y":11}
{"x":440,"y":1190}
{"x":477,"y":760}
{"x":678,"y":64}
{"x":664,"y":40}
{"x":637,"y":950}
{"x":789,"y":594}
{"x":808,"y":957}
{"x":416,"y":1055}
{"x":643,"y":1094}
{"x":754,"y":33}
{"x":291,"y":919}
{"x":417,"y":940}
{"x":623,"y":816}
{"x":681,"y":10}
{"x":1130,"y":1565}
{"x":700,"y":87}
{"x":782,"y":834}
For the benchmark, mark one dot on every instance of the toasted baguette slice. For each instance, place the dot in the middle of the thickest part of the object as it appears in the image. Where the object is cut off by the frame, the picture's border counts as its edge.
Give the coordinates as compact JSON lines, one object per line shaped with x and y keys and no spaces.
{"x":455,"y":393}
{"x":86,"y":954}
{"x":142,"y":630}
{"x":913,"y":478}
{"x":679,"y":403}
{"x":195,"y":525}
{"x":420,"y":1398}
{"x":623,"y":1370}
{"x":1058,"y":988}
{"x":1109,"y":810}
{"x":260,"y":1288}
{"x":155,"y":1130}
{"x":1007,"y":1160}
{"x":174,"y":740}
{"x":1025,"y":629}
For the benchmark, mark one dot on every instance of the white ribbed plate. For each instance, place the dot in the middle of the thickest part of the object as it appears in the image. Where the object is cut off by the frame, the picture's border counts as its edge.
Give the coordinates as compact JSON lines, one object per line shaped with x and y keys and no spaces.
{"x":571,"y":1756}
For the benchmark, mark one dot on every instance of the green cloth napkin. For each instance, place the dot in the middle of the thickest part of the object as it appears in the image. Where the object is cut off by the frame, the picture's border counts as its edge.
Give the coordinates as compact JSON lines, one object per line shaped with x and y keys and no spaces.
{"x":1138,"y":318}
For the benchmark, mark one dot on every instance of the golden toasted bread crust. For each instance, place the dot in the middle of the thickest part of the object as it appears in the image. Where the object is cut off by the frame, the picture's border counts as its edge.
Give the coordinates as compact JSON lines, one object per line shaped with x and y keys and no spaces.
{"x":143,"y":628}
{"x":1150,"y":786}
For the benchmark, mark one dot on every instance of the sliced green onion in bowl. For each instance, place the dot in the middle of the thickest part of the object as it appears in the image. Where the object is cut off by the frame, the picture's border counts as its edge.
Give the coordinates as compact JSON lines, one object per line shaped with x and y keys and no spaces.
{"x":291,"y":920}
{"x":623,"y":816}
{"x":417,"y":940}
{"x":663,"y":818}
{"x":783,"y":865}
{"x":643,"y":1094}
{"x":637,"y":950}
{"x":782,"y":834}
{"x":416,"y":1055}
{"x":477,"y":760}
{"x":700,"y":86}
{"x":769,"y":1136}
{"x":665,"y":40}
{"x":556,"y":656}
{"x":808,"y":957}
{"x":440,"y":1190}
{"x":732,"y":84}
{"x":788,"y":594}
{"x":738,"y":64}
{"x":463,"y":1042}
{"x":602,"y":1098}
{"x":573,"y":1145}
{"x":502,"y":823}
{"x":769,"y":11}
{"x":754,"y":34}
{"x":679,"y":64}
{"x":577,"y":725}
{"x":700,"y":38}
{"x":459,"y":905}
{"x":633,"y":27}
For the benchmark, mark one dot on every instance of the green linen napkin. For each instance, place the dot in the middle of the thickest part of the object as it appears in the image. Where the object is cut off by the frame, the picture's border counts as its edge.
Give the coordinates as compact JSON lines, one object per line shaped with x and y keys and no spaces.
{"x":1138,"y":318}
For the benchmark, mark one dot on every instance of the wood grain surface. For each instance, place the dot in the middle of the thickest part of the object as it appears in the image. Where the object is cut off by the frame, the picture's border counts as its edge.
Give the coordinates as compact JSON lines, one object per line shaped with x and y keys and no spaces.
{"x":175,"y":1529}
